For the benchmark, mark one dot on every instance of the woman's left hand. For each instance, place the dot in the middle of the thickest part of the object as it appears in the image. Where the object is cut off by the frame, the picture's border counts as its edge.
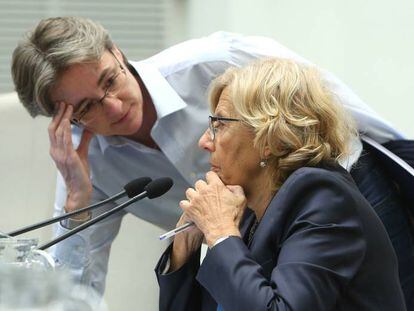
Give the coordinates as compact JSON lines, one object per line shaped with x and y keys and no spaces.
{"x":215,"y":208}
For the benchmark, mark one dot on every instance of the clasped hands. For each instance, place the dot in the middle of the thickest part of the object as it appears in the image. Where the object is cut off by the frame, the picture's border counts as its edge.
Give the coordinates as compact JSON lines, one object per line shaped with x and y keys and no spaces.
{"x":216,"y":210}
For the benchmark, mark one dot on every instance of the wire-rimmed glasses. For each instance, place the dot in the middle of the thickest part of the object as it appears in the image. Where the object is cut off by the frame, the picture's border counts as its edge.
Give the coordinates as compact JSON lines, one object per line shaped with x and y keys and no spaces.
{"x":214,"y":124}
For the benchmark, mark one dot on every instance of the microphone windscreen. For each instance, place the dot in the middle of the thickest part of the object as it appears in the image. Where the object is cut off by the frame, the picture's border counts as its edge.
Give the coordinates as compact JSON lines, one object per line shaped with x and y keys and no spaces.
{"x":136,"y":186}
{"x":158,"y":187}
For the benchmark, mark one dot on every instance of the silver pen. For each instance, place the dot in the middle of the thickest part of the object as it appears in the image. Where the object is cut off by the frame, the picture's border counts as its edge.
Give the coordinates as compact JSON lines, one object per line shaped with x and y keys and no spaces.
{"x":179,"y":229}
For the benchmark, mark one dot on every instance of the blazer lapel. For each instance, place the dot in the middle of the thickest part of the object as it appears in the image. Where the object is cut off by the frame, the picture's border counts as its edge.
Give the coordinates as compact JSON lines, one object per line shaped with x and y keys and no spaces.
{"x":246,"y":222}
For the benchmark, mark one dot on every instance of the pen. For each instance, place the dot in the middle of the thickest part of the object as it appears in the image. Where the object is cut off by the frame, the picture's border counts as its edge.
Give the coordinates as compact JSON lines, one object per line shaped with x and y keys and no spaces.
{"x":179,"y":229}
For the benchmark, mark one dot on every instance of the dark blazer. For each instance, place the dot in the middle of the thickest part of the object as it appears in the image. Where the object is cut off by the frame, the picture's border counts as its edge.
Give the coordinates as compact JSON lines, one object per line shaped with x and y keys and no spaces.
{"x":397,"y":159}
{"x":319,"y":246}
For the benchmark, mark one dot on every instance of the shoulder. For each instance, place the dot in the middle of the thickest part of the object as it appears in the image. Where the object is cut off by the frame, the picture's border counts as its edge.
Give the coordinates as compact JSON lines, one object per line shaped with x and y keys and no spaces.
{"x":218,"y":49}
{"x":321,"y":176}
{"x":320,"y":194}
{"x":204,"y":50}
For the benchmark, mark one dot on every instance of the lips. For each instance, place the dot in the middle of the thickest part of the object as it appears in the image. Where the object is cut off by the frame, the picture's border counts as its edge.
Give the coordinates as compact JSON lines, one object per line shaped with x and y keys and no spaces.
{"x":214,"y":168}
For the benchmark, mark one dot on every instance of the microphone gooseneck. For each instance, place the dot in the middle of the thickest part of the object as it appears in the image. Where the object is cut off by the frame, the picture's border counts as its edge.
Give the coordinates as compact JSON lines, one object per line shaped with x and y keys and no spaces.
{"x":131,"y":189}
{"x":153,"y":190}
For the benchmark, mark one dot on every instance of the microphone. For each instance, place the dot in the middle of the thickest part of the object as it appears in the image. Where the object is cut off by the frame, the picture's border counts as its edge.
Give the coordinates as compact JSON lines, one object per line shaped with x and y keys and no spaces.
{"x":136,"y":186}
{"x":153,"y":190}
{"x":158,"y":187}
{"x":131,"y":189}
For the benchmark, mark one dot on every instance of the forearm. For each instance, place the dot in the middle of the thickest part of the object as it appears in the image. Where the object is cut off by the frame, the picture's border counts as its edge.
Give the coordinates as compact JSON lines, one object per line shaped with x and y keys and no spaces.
{"x":76,"y":201}
{"x":179,"y":290}
{"x":183,"y":249}
{"x":235,"y":280}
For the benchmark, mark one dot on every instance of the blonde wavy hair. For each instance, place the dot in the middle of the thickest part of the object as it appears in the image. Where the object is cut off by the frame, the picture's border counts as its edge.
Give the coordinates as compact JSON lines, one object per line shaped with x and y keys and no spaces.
{"x":291,"y":111}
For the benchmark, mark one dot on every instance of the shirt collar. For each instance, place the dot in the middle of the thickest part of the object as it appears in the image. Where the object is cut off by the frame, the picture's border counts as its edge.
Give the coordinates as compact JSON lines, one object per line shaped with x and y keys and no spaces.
{"x":165,"y":99}
{"x":105,"y":141}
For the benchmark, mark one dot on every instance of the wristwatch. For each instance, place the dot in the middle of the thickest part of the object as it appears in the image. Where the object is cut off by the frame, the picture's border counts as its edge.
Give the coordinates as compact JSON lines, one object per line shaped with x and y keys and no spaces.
{"x":71,"y":223}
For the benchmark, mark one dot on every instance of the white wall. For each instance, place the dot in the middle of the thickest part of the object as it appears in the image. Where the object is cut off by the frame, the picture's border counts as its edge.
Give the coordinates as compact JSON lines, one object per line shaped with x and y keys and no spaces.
{"x":368,"y":44}
{"x":27,"y":182}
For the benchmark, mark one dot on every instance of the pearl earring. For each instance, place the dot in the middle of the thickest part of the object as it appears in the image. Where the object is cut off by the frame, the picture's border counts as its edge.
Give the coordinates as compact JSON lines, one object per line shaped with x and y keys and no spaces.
{"x":263,"y":163}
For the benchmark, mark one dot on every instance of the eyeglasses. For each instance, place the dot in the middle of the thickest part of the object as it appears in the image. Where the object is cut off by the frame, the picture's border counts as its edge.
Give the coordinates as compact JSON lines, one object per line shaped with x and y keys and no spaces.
{"x":113,"y":86}
{"x":214,"y":123}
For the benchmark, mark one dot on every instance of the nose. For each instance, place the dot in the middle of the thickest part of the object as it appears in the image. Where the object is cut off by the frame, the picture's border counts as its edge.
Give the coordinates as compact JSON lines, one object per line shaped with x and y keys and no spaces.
{"x":112,"y":107}
{"x":205,"y":142}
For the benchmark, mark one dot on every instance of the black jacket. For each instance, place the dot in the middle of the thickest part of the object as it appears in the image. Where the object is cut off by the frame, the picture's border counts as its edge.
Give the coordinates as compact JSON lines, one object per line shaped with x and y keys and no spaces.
{"x":319,"y":246}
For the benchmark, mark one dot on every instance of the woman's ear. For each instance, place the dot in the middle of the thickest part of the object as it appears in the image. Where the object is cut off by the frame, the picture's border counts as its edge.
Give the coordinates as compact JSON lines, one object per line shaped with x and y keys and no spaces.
{"x":267,"y":152}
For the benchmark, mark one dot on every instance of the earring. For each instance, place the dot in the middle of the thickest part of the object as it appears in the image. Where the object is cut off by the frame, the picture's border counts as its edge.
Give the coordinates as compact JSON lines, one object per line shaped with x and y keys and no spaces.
{"x":263,"y":163}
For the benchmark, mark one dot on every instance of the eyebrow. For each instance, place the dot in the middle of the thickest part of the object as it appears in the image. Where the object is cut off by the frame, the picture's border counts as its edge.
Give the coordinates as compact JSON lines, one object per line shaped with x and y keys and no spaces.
{"x":102,"y":76}
{"x":220,"y":112}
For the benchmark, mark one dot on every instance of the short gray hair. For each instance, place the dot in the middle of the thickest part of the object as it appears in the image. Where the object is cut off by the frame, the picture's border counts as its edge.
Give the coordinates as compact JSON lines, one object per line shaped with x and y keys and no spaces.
{"x":54,"y":45}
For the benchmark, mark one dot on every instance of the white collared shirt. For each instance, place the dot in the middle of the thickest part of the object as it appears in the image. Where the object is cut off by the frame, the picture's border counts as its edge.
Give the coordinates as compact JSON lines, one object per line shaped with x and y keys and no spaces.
{"x":177,"y":80}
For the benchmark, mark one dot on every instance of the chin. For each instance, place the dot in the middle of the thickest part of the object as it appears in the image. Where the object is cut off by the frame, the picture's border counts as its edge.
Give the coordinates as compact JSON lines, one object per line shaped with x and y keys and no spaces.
{"x":225,"y":180}
{"x":132,"y":126}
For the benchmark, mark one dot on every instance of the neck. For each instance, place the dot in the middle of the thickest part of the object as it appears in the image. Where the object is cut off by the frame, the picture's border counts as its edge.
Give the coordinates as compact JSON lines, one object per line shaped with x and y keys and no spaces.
{"x":260,"y":203}
{"x":259,"y":198}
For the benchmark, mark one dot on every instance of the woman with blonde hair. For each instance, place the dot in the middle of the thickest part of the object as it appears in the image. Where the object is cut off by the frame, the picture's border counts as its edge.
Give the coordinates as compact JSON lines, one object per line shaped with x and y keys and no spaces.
{"x":286,"y":226}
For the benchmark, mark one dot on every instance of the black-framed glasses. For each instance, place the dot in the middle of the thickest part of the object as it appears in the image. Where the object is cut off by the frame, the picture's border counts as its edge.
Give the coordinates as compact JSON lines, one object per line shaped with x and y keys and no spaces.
{"x":114,"y":86}
{"x":215,"y":122}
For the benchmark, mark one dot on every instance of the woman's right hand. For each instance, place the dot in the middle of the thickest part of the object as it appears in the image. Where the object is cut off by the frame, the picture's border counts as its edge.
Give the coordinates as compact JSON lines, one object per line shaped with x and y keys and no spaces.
{"x":185,"y":244}
{"x":72,"y":164}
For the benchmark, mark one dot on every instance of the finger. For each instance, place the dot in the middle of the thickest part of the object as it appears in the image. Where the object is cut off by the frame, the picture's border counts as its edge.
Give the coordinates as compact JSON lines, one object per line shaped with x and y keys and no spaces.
{"x":62,"y":126}
{"x":55,"y":122}
{"x":64,"y":131}
{"x":237,"y":190}
{"x":239,"y":215}
{"x":67,"y":144}
{"x":190,"y":193}
{"x":84,"y":143}
{"x":183,"y":219}
{"x":60,"y":108}
{"x":68,"y":113}
{"x":59,"y":136}
{"x":213,"y":178}
{"x":184,"y":205}
{"x":200,"y":184}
